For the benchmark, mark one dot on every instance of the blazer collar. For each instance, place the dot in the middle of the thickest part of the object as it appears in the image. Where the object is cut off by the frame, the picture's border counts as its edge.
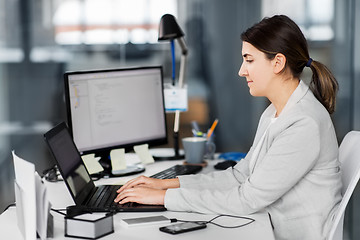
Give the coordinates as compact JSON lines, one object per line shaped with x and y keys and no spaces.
{"x":295,"y":97}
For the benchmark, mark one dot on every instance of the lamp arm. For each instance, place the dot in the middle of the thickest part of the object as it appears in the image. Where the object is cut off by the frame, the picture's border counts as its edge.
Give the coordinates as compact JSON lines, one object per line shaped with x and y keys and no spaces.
{"x":182,"y":71}
{"x":182,"y":44}
{"x":181,"y":85}
{"x":183,"y":59}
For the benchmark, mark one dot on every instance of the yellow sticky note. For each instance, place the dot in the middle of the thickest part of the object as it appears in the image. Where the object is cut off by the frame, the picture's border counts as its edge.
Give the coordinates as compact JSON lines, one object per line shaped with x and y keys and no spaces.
{"x":91,"y":164}
{"x":143,"y":152}
{"x":117,"y":157}
{"x":120,"y":182}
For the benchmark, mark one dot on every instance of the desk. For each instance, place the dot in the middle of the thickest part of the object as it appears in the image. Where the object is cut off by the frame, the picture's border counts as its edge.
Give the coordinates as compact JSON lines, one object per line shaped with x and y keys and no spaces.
{"x":60,"y":198}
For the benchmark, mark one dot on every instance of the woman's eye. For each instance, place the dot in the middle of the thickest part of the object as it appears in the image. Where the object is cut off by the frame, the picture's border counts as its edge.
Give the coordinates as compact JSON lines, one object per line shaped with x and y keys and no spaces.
{"x":249,"y":61}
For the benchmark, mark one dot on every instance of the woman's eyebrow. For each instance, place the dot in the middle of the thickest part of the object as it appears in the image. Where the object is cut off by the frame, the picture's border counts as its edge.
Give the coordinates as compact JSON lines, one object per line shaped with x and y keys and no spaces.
{"x":245,"y":55}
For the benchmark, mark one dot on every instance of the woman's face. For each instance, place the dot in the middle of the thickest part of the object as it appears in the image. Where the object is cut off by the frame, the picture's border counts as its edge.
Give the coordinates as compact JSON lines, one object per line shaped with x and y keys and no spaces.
{"x":257,"y":69}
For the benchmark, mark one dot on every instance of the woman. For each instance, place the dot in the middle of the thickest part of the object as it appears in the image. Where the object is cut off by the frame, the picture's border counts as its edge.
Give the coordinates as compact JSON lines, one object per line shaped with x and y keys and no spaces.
{"x":292,"y":169}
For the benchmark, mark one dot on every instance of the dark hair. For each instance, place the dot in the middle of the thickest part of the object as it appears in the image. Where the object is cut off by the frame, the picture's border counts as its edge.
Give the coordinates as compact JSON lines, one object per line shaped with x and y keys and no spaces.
{"x":279,"y":34}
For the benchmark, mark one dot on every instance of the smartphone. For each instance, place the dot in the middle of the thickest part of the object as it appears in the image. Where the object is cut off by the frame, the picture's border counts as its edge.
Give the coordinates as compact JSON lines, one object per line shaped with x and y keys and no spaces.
{"x":182,"y":227}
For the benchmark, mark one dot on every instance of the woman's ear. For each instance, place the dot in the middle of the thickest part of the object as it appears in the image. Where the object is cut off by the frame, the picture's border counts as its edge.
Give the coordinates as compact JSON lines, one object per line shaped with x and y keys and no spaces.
{"x":279,"y":63}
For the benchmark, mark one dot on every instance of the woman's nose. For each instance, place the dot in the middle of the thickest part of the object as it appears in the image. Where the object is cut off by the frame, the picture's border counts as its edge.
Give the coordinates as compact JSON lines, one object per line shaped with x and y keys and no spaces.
{"x":242,"y":71}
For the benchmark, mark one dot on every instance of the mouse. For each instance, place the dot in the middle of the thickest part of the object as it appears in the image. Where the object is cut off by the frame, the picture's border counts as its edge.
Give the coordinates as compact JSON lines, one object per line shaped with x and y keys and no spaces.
{"x":225,"y":164}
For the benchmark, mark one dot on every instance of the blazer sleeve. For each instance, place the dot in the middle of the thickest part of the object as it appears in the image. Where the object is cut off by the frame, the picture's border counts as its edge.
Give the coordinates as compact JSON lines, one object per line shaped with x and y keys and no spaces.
{"x":218,"y":179}
{"x":287,"y":160}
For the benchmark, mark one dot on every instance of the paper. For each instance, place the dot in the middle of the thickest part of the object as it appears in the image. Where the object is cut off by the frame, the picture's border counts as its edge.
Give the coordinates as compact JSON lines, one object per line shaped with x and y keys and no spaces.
{"x":25,"y":180}
{"x":42,"y":209}
{"x":117,"y":157}
{"x":32,"y":203}
{"x":175,"y":98}
{"x":92,"y":164}
{"x":90,"y":216}
{"x":20,"y":208}
{"x":143,"y":152}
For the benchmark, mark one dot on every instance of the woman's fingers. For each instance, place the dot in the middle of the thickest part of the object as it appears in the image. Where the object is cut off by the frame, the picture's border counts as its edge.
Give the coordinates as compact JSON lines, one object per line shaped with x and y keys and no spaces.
{"x":132,"y":183}
{"x":142,"y":195}
{"x":123,"y":195}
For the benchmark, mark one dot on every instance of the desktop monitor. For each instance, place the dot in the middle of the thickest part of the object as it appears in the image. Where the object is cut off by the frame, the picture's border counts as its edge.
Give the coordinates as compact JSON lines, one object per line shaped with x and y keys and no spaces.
{"x":115,"y":108}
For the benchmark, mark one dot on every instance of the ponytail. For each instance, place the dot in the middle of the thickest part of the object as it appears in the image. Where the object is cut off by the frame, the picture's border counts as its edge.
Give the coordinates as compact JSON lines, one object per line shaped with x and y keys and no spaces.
{"x":324,"y":85}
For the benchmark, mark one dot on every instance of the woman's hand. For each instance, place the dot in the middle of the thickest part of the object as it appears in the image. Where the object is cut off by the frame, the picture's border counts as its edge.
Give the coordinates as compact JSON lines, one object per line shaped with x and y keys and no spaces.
{"x":143,"y":181}
{"x":143,"y":195}
{"x":145,"y":190}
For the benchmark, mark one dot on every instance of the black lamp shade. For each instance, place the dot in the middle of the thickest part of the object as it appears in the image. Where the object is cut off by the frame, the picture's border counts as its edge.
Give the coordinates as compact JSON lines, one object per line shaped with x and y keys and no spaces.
{"x":168,"y":28}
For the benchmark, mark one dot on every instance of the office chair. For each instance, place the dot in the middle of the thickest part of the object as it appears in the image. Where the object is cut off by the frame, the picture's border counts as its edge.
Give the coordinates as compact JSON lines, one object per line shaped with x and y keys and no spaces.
{"x":349,"y":157}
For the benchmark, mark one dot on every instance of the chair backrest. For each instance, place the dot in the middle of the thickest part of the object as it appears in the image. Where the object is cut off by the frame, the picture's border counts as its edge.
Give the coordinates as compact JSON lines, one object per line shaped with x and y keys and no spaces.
{"x":349,"y":157}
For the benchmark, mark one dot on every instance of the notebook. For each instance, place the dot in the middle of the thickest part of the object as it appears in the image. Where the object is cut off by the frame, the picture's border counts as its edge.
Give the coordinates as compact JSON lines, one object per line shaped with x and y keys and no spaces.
{"x":78,"y":180}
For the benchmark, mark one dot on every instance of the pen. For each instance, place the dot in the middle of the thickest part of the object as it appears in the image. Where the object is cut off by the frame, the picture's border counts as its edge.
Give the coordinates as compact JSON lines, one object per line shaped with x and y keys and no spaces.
{"x":197,"y":134}
{"x":210,"y":132}
{"x":196,"y":130}
{"x":195,"y":126}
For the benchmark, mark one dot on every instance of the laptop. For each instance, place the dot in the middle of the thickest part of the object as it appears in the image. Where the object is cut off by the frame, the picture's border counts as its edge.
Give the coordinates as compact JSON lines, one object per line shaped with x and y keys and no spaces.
{"x":78,"y":180}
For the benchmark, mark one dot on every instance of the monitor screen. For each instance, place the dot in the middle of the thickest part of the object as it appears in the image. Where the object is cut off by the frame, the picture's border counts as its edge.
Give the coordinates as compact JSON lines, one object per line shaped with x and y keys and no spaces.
{"x":115,"y":108}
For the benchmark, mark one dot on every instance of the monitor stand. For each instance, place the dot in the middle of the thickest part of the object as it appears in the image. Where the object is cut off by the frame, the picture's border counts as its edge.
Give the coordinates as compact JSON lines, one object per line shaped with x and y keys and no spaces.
{"x":109,"y":173}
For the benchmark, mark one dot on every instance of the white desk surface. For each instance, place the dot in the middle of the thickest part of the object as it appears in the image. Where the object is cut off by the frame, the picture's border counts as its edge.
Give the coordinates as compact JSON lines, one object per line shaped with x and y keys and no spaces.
{"x":60,"y":198}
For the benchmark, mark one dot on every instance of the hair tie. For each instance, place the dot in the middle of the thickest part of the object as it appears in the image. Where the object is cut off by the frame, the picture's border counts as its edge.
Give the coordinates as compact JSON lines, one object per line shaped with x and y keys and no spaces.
{"x":308,"y":64}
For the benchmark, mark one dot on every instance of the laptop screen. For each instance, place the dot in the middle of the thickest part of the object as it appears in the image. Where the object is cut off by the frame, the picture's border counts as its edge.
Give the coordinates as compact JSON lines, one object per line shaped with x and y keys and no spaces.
{"x":69,"y":160}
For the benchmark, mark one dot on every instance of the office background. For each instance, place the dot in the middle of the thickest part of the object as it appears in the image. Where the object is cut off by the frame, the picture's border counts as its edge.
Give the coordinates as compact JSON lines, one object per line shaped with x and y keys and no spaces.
{"x":41,"y":39}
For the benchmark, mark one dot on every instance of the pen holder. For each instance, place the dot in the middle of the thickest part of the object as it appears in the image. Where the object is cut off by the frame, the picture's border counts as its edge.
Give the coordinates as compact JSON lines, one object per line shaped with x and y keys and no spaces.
{"x":210,"y":148}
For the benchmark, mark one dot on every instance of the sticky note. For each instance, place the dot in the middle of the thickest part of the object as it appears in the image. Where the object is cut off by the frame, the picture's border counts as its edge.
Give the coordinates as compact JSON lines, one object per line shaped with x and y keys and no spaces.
{"x":120,"y":182}
{"x":117,"y":157}
{"x":92,"y":164}
{"x":143,"y":152}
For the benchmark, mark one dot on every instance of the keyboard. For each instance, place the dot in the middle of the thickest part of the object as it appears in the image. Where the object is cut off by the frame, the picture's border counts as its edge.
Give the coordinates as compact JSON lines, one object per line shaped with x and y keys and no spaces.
{"x":103,"y":196}
{"x":177,"y":170}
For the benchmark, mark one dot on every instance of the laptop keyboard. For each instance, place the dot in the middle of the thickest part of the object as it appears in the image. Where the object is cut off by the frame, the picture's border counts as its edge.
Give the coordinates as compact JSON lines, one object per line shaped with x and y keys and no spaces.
{"x":177,"y":170}
{"x":104,"y":195}
{"x":104,"y":198}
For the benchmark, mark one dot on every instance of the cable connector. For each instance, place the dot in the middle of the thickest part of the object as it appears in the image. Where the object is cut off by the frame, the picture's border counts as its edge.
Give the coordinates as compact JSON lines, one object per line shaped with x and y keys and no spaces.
{"x":173,"y":220}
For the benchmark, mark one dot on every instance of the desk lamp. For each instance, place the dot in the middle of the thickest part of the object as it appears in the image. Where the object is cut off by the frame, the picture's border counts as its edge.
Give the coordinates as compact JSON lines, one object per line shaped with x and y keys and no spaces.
{"x":170,"y":30}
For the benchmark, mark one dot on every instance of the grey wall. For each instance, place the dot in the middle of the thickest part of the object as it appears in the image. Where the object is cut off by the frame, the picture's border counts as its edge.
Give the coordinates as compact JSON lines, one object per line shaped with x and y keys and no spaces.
{"x":348,"y":62}
{"x":356,"y":54}
{"x":229,"y":99}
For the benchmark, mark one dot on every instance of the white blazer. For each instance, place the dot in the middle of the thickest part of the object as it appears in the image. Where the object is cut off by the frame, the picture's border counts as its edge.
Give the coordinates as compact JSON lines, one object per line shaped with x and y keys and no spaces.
{"x":295,"y":176}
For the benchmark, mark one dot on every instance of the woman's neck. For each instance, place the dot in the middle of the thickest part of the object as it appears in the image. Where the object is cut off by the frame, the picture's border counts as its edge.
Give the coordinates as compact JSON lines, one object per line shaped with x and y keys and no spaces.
{"x":282,"y":92}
